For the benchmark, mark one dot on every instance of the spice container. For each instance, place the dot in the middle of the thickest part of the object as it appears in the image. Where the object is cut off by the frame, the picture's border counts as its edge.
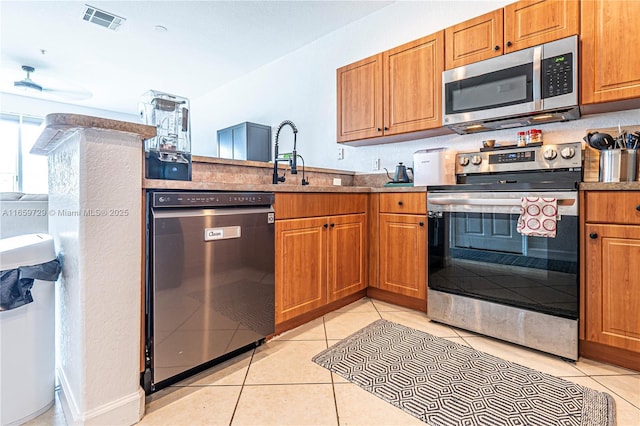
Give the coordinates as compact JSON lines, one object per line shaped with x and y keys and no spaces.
{"x":535,"y":136}
{"x":522,"y":139}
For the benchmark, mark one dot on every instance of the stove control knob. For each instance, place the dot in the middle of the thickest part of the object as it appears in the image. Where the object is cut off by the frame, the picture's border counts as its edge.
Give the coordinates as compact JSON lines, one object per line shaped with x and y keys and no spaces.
{"x":476,"y":160}
{"x":550,"y":154}
{"x":568,"y":152}
{"x":464,"y":161}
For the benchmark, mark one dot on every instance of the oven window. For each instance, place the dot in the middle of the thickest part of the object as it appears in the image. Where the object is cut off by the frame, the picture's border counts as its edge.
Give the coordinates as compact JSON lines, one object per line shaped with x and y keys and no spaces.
{"x":492,"y":90}
{"x":481,"y":255}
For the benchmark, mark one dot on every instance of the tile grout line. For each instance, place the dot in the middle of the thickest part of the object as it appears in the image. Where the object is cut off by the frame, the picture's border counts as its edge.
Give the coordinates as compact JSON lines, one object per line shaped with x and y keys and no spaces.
{"x":614,"y":392}
{"x":333,"y":386}
{"x":244,"y":380}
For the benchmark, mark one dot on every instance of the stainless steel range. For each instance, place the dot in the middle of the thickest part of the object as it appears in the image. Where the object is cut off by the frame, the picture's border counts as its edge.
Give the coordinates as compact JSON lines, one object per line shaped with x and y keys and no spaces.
{"x":492,"y":275}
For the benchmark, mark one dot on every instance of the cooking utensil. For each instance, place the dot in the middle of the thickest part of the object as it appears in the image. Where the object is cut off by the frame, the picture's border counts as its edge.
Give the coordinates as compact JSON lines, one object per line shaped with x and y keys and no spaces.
{"x":599,"y":140}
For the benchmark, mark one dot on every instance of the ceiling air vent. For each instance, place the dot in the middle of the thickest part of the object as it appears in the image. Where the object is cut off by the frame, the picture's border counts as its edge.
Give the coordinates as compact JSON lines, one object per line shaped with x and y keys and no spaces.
{"x":102,"y":18}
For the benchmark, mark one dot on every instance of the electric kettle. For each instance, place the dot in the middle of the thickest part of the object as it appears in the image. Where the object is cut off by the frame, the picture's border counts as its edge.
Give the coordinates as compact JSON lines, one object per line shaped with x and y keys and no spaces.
{"x":400,"y":175}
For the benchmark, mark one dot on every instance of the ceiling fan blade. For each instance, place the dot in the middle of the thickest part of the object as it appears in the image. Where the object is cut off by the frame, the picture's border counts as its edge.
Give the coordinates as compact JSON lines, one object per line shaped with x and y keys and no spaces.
{"x":68,"y":94}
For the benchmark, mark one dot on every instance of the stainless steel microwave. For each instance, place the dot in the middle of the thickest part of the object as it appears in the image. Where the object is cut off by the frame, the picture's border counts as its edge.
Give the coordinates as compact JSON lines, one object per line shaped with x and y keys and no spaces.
{"x":530,"y":86}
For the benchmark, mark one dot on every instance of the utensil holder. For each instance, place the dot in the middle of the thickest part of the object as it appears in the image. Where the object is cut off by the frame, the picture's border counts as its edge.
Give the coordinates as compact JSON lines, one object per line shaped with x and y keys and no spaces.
{"x":618,"y":165}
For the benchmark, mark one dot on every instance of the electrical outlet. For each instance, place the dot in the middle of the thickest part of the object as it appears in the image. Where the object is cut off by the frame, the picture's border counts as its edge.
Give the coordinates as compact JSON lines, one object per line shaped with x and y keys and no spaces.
{"x":375,"y":165}
{"x":337,"y":181}
{"x":340,"y":153}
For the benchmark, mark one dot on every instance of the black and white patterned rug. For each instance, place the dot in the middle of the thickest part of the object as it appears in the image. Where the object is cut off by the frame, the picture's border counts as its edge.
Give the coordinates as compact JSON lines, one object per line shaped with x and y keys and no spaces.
{"x":444,"y":383}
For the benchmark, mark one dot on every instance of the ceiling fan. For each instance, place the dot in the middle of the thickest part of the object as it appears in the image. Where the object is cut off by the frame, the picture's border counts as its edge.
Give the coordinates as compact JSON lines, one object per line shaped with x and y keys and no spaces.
{"x":67,"y":91}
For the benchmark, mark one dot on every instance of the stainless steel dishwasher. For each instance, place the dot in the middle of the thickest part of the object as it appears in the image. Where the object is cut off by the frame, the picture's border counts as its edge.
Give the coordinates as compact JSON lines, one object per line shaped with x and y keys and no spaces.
{"x":210,"y":280}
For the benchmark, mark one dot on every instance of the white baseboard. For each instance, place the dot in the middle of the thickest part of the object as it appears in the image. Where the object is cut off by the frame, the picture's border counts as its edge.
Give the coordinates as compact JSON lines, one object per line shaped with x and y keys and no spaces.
{"x":126,"y":410}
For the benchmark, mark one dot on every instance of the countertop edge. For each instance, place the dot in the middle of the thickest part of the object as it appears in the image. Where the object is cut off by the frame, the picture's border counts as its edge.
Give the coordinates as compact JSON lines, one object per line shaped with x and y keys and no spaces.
{"x":57,"y":125}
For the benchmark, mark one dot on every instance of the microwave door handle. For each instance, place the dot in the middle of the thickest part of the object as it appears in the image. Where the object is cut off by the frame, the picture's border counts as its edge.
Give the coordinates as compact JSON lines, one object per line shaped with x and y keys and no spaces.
{"x":537,"y":78}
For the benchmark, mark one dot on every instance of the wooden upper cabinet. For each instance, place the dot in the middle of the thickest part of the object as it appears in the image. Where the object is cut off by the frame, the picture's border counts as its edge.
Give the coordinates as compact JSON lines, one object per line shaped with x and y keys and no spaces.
{"x":610,"y":71}
{"x":474,"y":40}
{"x":412,"y":75}
{"x":360,"y":99}
{"x":528,"y":23}
{"x":517,"y":26}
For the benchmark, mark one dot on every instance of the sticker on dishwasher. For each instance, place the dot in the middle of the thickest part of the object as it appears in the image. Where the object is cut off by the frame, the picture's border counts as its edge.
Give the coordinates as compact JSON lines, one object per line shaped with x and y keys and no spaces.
{"x":224,"y":233}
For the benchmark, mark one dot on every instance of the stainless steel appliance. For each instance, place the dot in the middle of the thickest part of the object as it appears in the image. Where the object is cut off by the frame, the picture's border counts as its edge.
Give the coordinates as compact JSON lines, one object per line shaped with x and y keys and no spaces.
{"x":530,"y":86}
{"x":210,"y":280}
{"x":484,"y":275}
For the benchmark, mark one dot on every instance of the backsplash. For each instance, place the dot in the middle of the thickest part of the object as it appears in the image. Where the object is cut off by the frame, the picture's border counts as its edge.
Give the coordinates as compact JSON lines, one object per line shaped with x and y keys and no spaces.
{"x":209,"y":169}
{"x":361,"y":158}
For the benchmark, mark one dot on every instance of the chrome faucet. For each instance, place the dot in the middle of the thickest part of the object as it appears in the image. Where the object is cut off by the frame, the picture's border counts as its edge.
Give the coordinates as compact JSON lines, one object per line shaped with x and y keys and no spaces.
{"x":291,"y":157}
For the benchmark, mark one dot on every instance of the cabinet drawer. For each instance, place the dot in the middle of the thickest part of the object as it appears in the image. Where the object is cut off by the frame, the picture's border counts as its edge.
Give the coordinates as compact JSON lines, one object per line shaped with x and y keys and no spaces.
{"x":403,"y":202}
{"x":296,"y":205}
{"x":615,"y":207}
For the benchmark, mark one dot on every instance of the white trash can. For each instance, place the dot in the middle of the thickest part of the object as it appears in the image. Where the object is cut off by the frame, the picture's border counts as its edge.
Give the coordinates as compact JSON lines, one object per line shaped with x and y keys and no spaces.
{"x":27,"y":335}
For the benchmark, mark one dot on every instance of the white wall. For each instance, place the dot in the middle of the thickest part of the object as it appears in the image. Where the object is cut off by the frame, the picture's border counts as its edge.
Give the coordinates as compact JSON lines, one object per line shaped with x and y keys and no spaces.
{"x":26,"y":105}
{"x":302,"y":87}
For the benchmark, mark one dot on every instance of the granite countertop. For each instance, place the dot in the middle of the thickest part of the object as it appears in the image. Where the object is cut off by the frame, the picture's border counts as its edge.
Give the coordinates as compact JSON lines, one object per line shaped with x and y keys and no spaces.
{"x":220,"y":186}
{"x":610,"y":186}
{"x":56,"y":126}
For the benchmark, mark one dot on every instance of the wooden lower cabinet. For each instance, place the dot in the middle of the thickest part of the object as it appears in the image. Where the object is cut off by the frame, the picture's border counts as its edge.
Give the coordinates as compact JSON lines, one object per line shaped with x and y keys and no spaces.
{"x":611,"y":284}
{"x":301,"y":266}
{"x":319,"y":260}
{"x":403,"y":254}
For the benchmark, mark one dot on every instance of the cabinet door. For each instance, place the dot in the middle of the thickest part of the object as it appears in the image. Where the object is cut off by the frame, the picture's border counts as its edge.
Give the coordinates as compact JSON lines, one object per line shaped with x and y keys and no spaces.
{"x":413,"y":84}
{"x":403,"y":254}
{"x":360,"y":99}
{"x":529,"y":23}
{"x":612,"y":285}
{"x":609,"y":70}
{"x":474,"y":40}
{"x":301,"y":266}
{"x":347,"y":255}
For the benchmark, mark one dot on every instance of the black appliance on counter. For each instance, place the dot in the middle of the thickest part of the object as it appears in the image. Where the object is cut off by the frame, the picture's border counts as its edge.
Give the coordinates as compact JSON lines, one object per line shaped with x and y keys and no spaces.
{"x":209,"y":280}
{"x":484,"y":275}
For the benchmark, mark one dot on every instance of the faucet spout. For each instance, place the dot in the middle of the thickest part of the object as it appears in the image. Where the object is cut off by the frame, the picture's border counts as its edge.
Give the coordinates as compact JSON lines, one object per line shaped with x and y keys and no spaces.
{"x":292,"y":157}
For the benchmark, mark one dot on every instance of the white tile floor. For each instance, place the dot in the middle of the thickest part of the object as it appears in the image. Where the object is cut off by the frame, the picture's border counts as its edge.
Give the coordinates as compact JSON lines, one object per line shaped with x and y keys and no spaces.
{"x":278,"y":384}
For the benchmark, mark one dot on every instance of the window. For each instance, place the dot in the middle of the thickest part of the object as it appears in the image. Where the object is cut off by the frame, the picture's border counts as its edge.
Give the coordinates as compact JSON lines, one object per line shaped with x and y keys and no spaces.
{"x":21,"y":171}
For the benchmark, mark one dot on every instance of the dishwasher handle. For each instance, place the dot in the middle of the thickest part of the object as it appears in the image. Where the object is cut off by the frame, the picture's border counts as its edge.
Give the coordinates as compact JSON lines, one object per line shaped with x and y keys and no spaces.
{"x":227,"y":211}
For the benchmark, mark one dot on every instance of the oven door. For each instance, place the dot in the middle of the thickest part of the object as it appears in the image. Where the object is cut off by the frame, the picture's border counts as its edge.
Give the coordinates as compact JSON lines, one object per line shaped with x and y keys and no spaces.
{"x":476,"y":252}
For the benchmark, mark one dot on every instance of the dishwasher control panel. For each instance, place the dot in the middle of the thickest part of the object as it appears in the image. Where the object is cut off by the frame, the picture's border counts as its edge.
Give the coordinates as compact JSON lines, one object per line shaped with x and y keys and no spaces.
{"x":211,"y":199}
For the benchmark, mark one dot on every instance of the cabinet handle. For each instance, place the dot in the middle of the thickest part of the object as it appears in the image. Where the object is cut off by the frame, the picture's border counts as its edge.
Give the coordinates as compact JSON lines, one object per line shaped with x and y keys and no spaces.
{"x":593,"y":235}
{"x":421,"y":223}
{"x":325,"y":225}
{"x":496,"y":48}
{"x":386,"y":128}
{"x":509,"y":44}
{"x":379,"y":129}
{"x":333,"y":224}
{"x":638,"y":207}
{"x":399,"y":203}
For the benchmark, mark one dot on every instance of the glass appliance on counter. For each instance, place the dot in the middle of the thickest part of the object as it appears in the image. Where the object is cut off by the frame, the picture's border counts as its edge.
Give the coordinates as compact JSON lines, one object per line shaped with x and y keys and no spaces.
{"x":168,"y":154}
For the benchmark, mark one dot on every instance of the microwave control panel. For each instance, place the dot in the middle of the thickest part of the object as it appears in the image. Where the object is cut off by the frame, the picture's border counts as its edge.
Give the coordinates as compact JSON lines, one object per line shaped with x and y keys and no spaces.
{"x":557,"y":75}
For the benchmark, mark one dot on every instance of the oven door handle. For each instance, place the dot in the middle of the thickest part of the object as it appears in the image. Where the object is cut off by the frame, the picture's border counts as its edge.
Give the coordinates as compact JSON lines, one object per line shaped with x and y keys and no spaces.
{"x":491,"y":202}
{"x":566,"y":206}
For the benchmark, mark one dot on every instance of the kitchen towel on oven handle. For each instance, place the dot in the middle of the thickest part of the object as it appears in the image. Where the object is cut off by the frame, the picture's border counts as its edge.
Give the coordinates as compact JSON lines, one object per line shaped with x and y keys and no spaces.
{"x":538,"y":217}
